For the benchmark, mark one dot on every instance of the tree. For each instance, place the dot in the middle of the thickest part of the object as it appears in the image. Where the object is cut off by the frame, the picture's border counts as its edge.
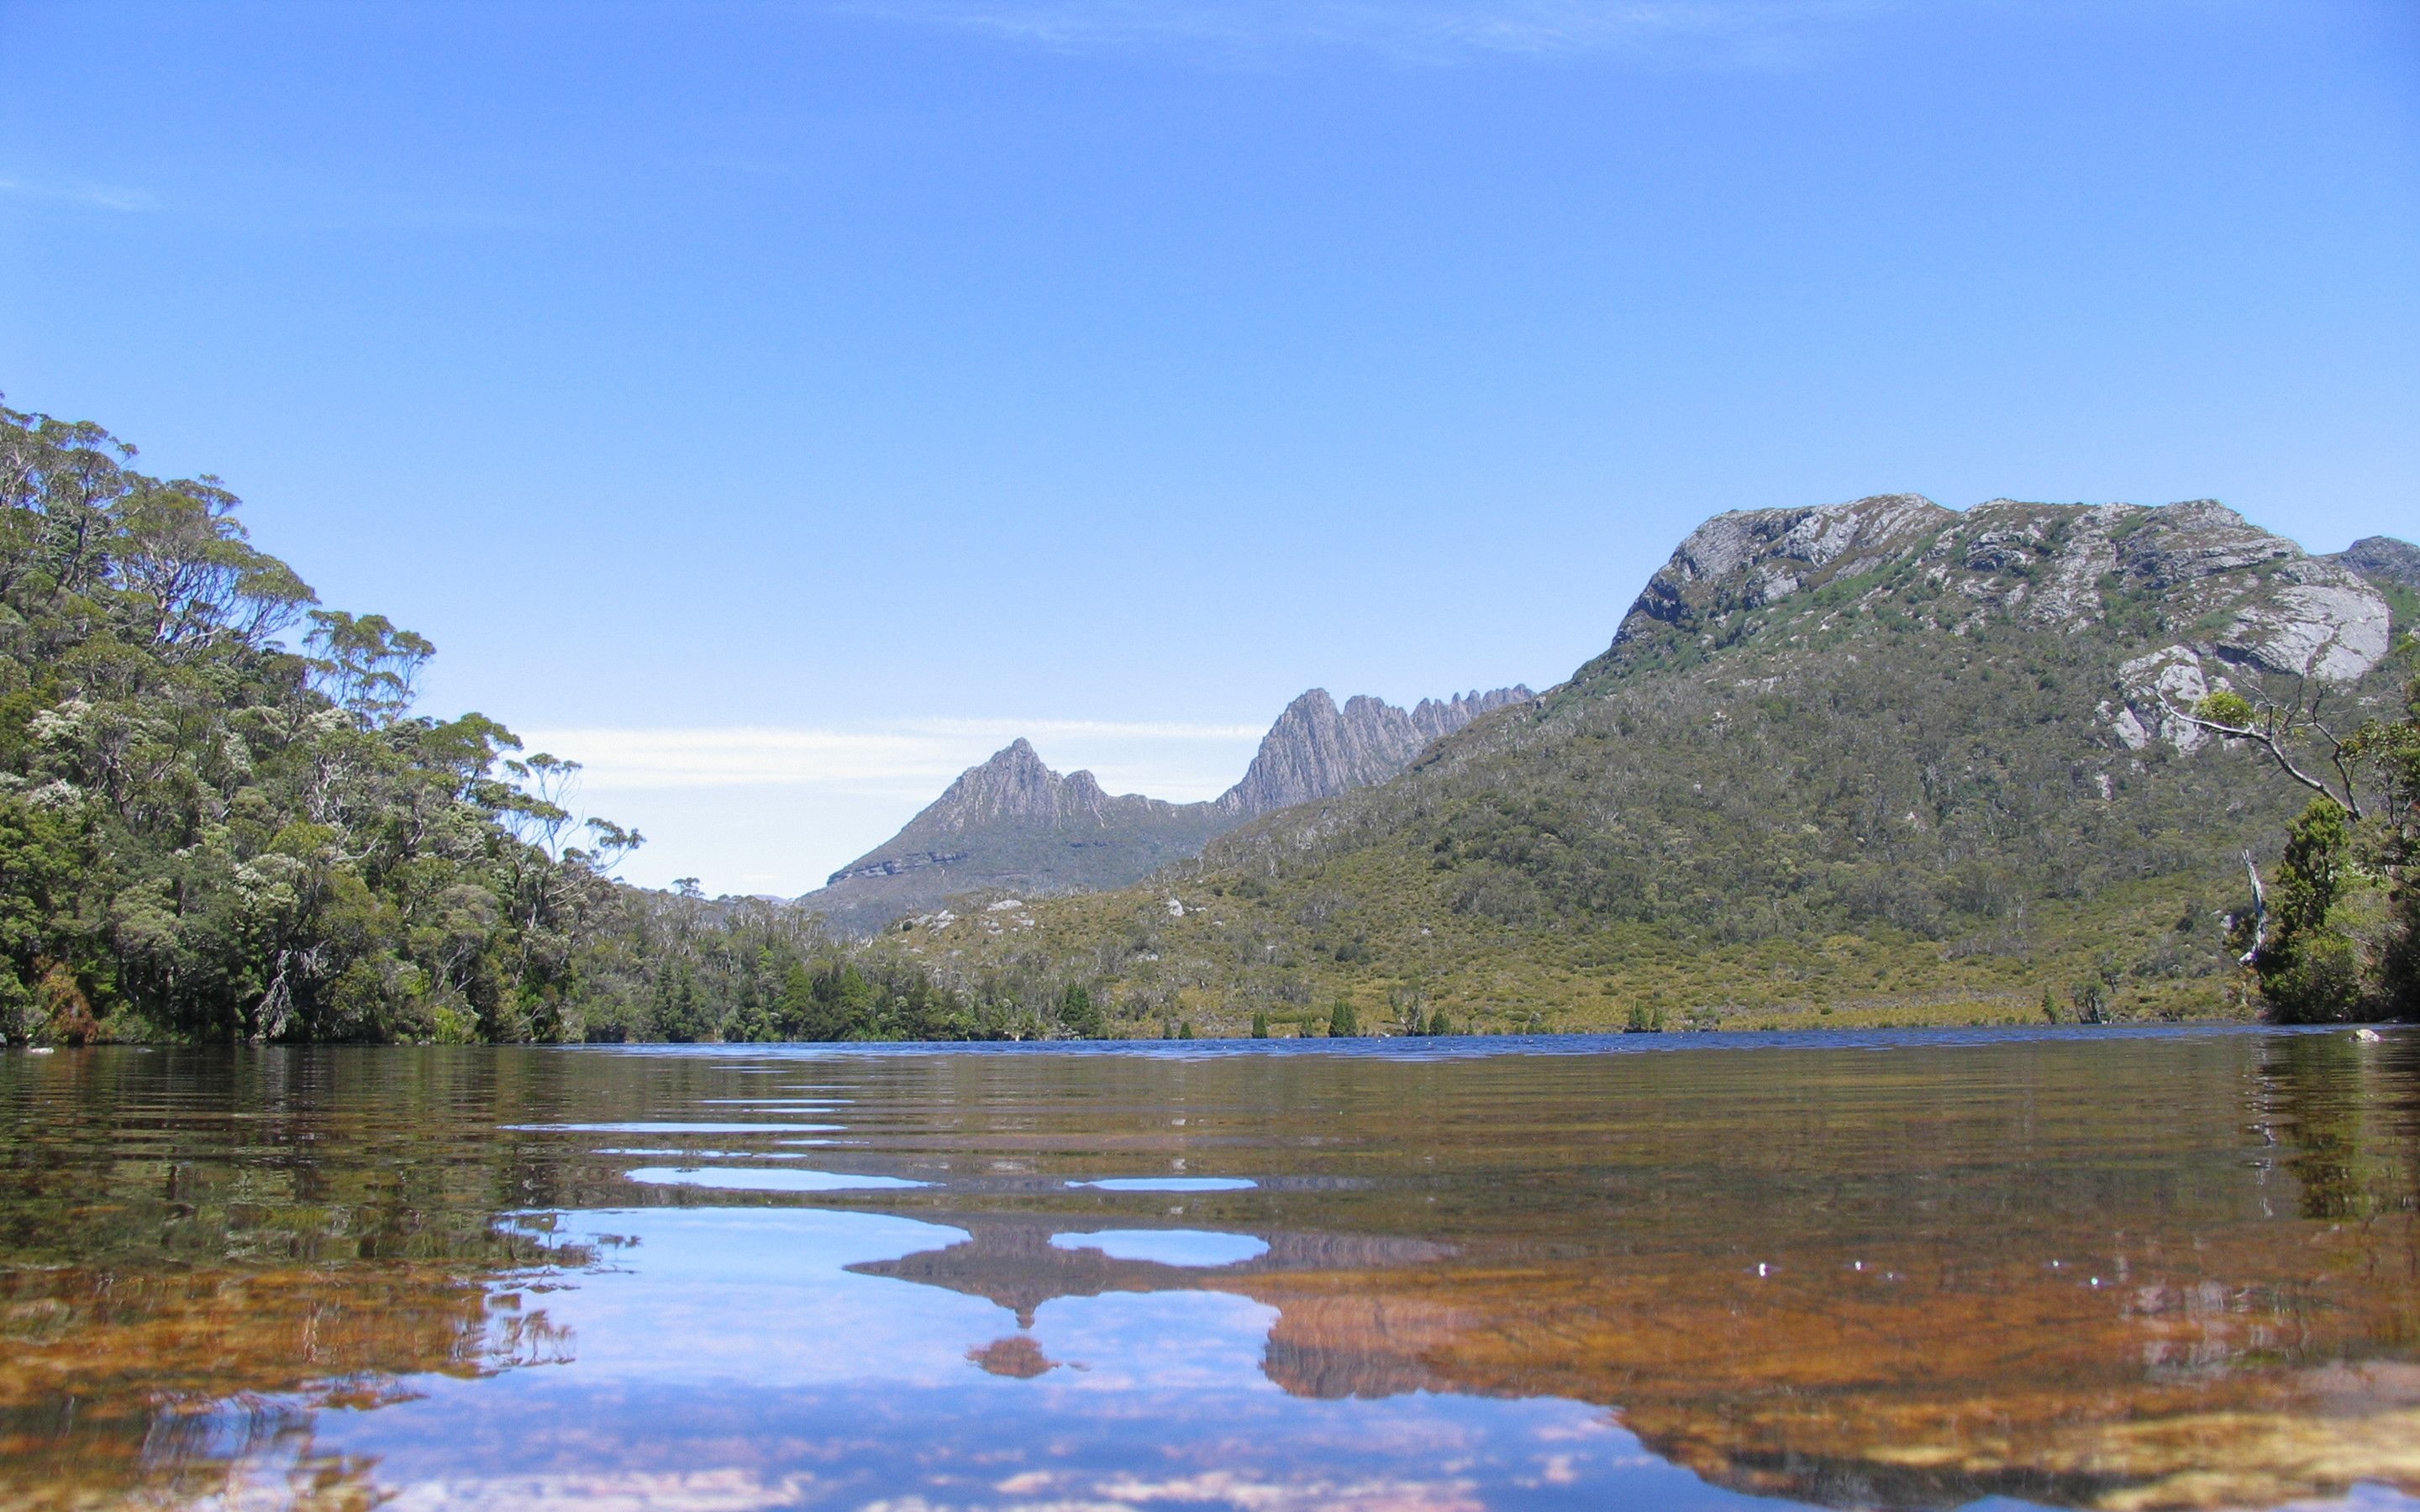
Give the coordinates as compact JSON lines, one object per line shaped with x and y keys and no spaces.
{"x":366,"y":666}
{"x":2309,"y":968}
{"x":1259,"y":1024}
{"x":2338,"y":941}
{"x":1080,"y":1015}
{"x":205,"y":834}
{"x":1343,"y":1023}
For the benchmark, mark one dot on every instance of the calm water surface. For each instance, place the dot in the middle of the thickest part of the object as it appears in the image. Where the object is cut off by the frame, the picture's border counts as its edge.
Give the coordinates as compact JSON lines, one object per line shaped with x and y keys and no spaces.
{"x":2106,"y":1268}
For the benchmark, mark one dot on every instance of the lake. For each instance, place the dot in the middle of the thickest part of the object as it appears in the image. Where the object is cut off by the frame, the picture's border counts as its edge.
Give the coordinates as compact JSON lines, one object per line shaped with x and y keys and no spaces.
{"x":2107,"y":1267}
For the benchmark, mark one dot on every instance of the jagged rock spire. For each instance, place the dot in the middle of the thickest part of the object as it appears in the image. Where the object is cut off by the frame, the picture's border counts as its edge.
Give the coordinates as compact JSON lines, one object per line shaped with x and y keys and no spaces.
{"x":1316,"y":751}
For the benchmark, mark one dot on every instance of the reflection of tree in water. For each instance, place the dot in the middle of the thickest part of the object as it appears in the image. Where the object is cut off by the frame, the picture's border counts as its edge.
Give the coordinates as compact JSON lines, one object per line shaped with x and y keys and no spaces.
{"x":199,"y":1250}
{"x":1017,"y":1356}
{"x":115,"y":1379}
{"x":2345,"y":1111}
{"x":2312,"y":1092}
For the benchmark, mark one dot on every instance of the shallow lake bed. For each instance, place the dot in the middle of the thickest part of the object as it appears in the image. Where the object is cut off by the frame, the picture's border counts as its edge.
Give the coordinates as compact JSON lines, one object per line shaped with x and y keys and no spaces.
{"x":2133,"y":1270}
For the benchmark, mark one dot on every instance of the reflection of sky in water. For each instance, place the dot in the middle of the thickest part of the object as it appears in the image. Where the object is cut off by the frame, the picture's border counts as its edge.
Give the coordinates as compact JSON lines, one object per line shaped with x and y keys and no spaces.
{"x":643,"y":1127}
{"x":707,"y":1154}
{"x":728,"y":1360}
{"x":1171,"y":1184}
{"x":748,"y":1179}
{"x":1168,"y":1246}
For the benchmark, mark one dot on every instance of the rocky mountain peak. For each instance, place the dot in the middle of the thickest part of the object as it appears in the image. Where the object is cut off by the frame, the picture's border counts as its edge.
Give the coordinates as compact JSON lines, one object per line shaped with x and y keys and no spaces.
{"x":2381,"y":559}
{"x":1439,"y":718}
{"x":2255,"y":598}
{"x":1316,"y":749}
{"x":1015,"y":784}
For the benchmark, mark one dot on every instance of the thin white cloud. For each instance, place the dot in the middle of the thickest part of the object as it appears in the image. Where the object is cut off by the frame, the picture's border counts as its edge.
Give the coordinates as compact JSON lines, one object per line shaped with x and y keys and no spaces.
{"x":757,"y":809}
{"x":89,"y":195}
{"x":915,"y":758}
{"x":1704,"y":33}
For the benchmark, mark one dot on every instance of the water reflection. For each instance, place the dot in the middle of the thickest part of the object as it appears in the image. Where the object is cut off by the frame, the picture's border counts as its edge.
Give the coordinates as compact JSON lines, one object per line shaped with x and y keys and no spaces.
{"x":757,"y":1178}
{"x":777,"y":1354}
{"x":2144,"y":1271}
{"x":1167,"y":1246}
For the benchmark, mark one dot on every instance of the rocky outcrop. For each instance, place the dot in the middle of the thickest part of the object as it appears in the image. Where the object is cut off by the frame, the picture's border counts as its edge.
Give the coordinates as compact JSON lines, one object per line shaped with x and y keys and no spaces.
{"x":2221,"y":598}
{"x":895,"y":865}
{"x":1747,"y":559}
{"x":2381,"y":559}
{"x":2326,"y":623}
{"x":2185,"y":542}
{"x":2065,"y":565}
{"x":1316,"y":751}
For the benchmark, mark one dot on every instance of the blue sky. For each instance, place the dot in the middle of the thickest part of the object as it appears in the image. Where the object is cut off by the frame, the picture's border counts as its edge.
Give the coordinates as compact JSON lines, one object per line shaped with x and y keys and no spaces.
{"x":885,"y":378}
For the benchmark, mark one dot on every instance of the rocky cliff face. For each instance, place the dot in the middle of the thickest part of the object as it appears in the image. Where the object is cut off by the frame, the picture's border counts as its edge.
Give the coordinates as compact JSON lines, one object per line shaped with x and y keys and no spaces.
{"x":2211,"y":591}
{"x":2257,"y":596}
{"x":1316,"y":751}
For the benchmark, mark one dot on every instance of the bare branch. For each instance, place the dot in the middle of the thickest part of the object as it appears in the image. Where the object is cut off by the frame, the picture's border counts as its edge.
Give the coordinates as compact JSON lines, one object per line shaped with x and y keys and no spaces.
{"x":2260,"y":912}
{"x":2270,"y":741}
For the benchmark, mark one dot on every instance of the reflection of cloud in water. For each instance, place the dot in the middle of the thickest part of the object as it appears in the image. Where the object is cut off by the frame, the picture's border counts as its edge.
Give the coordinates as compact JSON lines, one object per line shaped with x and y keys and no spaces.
{"x":729,"y":1490}
{"x":746,"y":1179}
{"x":707,"y":1154}
{"x":1168,"y":1246}
{"x":734,"y":1358}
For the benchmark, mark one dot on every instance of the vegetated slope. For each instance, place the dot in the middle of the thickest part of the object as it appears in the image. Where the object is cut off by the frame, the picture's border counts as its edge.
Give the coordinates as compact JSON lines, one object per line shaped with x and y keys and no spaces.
{"x":1876,"y":761}
{"x":1013,"y":826}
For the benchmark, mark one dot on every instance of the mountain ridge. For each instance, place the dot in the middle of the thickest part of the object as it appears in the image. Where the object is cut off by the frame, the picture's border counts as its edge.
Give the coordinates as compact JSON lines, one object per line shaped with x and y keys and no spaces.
{"x":1317,"y":748}
{"x":1876,"y":751}
{"x":1010,"y":822}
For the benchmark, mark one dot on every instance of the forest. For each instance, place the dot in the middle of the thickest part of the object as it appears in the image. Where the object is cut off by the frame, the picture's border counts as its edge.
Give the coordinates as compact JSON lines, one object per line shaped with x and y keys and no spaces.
{"x":221,"y":819}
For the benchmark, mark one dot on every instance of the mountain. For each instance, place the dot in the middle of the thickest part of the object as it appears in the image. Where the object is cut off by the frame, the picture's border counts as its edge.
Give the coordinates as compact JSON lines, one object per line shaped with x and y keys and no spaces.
{"x":1842,"y":765}
{"x":1013,"y":824}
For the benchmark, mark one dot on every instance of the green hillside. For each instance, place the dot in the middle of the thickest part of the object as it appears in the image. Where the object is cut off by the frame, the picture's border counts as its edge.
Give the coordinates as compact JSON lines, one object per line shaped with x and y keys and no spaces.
{"x":1880,"y":763}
